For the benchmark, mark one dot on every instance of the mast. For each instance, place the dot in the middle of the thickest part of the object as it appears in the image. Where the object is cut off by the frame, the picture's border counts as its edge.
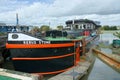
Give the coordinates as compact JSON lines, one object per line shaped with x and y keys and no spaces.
{"x":17,"y":22}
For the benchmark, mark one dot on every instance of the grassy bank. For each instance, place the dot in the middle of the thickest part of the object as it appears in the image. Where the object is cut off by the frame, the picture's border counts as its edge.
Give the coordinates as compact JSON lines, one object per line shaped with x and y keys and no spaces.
{"x":115,"y":51}
{"x":109,"y":31}
{"x":2,"y":33}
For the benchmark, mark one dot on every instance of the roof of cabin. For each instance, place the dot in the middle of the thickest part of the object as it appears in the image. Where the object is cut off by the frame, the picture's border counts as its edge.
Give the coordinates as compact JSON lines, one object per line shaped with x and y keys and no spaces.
{"x":80,"y":20}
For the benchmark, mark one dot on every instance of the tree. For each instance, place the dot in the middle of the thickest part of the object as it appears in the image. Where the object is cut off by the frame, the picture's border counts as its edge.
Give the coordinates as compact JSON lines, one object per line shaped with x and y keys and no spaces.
{"x":101,"y":28}
{"x":35,"y":30}
{"x":106,"y":27}
{"x":44,"y":28}
{"x":60,"y":27}
{"x":113,"y":28}
{"x":117,"y":34}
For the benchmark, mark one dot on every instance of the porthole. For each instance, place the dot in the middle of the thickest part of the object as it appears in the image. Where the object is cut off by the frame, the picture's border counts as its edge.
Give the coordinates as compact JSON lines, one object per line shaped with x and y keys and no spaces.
{"x":14,"y":36}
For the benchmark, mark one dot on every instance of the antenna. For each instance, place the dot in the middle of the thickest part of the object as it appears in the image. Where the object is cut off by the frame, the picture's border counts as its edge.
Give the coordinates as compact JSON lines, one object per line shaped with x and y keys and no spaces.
{"x":17,"y":20}
{"x":17,"y":23}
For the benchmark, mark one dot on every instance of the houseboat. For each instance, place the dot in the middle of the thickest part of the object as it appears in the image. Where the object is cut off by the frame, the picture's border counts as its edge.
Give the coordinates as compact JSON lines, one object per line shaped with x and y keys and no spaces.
{"x":55,"y":52}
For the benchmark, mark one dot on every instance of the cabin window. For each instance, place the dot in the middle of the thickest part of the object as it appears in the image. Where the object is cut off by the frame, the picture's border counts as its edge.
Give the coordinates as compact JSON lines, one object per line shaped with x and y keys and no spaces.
{"x":76,"y":27}
{"x":27,"y":28}
{"x":88,"y":27}
{"x":91,"y":27}
{"x":84,"y":26}
{"x":21,"y":28}
{"x":80,"y":27}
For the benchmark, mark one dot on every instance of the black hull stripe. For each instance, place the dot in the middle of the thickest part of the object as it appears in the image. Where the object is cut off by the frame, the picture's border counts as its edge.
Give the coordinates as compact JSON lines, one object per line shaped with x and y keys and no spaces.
{"x":41,"y":52}
{"x":44,"y":66}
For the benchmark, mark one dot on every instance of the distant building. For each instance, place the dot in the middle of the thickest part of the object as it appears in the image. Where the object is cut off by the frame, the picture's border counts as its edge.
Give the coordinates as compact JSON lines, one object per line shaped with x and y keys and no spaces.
{"x":2,"y":24}
{"x":13,"y":28}
{"x":82,"y":24}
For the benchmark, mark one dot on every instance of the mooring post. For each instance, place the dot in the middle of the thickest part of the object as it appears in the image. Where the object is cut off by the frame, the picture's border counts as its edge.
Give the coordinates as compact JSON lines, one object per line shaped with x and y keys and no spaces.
{"x":83,"y":46}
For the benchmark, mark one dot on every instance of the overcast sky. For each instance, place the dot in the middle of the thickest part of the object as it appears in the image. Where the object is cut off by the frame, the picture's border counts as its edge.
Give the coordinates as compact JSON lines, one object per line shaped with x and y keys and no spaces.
{"x":56,"y":12}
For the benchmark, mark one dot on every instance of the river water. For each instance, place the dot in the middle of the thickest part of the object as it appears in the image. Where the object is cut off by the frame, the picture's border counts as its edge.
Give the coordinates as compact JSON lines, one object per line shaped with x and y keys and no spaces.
{"x":107,"y":37}
{"x":100,"y":70}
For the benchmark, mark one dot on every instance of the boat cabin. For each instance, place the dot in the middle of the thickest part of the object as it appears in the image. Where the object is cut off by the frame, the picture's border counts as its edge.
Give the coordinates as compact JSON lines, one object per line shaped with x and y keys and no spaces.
{"x":85,"y":25}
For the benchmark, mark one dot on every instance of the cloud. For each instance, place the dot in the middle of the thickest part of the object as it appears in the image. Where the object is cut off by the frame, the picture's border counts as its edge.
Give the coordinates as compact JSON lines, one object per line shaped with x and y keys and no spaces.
{"x":11,"y":5}
{"x":96,"y":7}
{"x":56,"y":12}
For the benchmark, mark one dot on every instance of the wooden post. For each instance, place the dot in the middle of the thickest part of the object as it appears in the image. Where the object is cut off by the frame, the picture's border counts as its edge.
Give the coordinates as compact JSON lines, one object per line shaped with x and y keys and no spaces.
{"x":77,"y":55}
{"x":83,"y":45}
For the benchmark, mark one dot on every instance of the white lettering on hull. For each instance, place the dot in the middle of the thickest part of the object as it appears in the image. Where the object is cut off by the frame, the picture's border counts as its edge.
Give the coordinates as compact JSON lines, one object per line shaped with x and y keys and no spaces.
{"x":36,"y":42}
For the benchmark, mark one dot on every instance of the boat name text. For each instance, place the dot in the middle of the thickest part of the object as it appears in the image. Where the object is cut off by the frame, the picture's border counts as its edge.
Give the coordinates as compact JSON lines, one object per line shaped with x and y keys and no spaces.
{"x":36,"y":42}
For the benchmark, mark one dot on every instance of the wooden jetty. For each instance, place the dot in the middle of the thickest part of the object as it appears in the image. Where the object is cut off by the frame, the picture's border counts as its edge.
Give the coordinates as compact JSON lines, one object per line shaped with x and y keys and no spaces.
{"x":15,"y":75}
{"x":115,"y":64}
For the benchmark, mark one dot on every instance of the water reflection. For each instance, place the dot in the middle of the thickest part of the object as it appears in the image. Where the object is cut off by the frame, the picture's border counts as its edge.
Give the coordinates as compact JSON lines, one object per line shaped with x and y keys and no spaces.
{"x":102,"y":71}
{"x":106,"y":50}
{"x":107,"y":37}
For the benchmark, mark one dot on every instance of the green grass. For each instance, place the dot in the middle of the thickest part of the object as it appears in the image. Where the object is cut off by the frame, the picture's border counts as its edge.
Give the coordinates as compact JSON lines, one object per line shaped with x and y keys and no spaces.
{"x":102,"y":45}
{"x":114,"y":50}
{"x":2,"y":34}
{"x":109,"y":31}
{"x":63,"y":38}
{"x":7,"y":78}
{"x":56,"y":39}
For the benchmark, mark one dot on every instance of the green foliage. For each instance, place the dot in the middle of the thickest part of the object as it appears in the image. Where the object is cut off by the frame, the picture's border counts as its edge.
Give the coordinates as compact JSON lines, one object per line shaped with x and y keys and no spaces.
{"x":117,"y":34}
{"x":60,"y":27}
{"x":35,"y":30}
{"x":113,"y":27}
{"x":44,"y":28}
{"x":2,"y":33}
{"x":101,"y":28}
{"x":107,"y":27}
{"x":103,"y":45}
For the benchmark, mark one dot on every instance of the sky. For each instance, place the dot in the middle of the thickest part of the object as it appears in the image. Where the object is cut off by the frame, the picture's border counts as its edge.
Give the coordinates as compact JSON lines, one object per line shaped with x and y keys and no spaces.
{"x":56,"y":12}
